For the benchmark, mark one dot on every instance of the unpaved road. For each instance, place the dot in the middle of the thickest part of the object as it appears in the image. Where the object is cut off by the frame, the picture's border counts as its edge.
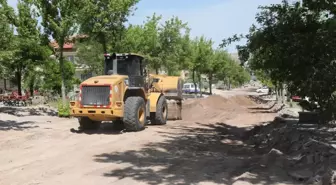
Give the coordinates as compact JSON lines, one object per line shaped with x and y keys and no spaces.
{"x":204,"y":148}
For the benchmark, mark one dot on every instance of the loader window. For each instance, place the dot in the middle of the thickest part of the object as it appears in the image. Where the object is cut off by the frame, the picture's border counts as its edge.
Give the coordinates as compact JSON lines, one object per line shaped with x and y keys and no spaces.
{"x":129,"y":67}
{"x":122,"y":67}
{"x":108,"y":65}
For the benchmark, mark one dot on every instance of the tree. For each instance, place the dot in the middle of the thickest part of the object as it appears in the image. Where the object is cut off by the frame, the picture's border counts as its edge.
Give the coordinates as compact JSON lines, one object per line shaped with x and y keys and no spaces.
{"x":215,"y":64}
{"x":151,"y":42}
{"x":133,"y":40}
{"x":293,"y":44}
{"x":29,"y":49}
{"x":104,"y":20}
{"x":7,"y":47}
{"x":52,"y":79}
{"x":171,"y":40}
{"x":202,"y":53}
{"x":58,"y":19}
{"x":89,"y":54}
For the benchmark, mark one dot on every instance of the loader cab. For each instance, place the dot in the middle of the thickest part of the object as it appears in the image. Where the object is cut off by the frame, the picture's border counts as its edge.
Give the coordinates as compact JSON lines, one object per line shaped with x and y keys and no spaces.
{"x":131,"y":65}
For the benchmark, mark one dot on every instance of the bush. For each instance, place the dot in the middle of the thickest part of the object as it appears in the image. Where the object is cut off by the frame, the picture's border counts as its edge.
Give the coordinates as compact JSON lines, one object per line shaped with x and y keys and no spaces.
{"x":63,"y":110}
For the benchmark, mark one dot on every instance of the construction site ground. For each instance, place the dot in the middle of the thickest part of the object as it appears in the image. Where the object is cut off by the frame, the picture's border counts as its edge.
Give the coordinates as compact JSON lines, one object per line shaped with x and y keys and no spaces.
{"x":208,"y":146}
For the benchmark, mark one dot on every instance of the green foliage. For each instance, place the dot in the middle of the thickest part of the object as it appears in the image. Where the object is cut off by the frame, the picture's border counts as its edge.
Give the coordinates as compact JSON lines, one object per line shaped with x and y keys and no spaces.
{"x":171,"y":41}
{"x":63,"y":109}
{"x":104,"y":20}
{"x":89,"y":54}
{"x":58,"y":20}
{"x":52,"y":79}
{"x":293,"y":44}
{"x":6,"y":38}
{"x":166,"y":46}
{"x":29,"y":50}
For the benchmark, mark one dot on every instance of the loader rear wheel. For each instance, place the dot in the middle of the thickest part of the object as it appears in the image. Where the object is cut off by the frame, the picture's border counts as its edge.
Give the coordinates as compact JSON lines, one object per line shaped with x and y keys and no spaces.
{"x":86,"y":123}
{"x":134,"y":114}
{"x":160,"y":116}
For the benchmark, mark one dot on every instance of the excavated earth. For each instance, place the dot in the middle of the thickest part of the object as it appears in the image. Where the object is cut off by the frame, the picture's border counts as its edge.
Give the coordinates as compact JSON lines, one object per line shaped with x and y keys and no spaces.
{"x":222,"y":139}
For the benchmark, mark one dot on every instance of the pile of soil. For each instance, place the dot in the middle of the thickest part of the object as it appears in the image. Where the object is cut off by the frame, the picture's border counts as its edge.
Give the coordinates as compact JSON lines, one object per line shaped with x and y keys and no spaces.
{"x":303,"y":151}
{"x":215,"y":108}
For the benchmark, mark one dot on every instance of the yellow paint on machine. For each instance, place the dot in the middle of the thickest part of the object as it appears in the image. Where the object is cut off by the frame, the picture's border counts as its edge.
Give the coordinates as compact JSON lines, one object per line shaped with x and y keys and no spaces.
{"x":153,"y":98}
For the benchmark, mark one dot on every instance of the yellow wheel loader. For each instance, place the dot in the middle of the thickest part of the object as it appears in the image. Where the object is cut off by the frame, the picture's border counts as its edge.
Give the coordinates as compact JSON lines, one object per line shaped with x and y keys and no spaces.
{"x":126,"y":95}
{"x":171,"y":87}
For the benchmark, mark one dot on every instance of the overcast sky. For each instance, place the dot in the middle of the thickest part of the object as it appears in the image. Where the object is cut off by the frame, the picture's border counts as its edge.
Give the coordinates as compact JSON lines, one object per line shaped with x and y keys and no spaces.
{"x":215,"y":19}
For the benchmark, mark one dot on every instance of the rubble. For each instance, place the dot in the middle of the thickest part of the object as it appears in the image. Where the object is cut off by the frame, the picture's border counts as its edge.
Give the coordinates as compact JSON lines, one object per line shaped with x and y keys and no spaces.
{"x":302,"y":150}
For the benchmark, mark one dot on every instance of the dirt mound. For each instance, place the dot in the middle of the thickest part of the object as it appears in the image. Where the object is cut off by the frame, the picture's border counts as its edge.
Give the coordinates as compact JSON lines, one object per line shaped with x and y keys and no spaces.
{"x":301,"y":150}
{"x":214,"y":108}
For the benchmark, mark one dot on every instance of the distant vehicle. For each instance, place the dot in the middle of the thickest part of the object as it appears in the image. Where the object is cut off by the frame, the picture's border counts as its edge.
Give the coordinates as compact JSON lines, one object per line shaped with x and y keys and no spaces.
{"x":262,"y":90}
{"x":298,"y":98}
{"x":190,"y":88}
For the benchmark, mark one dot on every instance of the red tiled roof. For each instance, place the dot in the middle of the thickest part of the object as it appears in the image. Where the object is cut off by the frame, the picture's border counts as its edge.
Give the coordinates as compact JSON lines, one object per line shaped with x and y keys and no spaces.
{"x":68,"y":45}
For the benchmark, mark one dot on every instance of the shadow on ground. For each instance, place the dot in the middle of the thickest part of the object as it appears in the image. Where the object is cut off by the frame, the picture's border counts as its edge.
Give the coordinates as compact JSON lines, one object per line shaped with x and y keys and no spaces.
{"x":263,"y":108}
{"x":6,"y":125}
{"x":28,"y":111}
{"x":105,"y":128}
{"x":269,"y":109}
{"x":213,"y":153}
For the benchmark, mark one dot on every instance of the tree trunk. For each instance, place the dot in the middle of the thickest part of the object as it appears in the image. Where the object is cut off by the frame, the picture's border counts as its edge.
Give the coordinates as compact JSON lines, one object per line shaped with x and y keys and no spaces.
{"x":18,"y":78}
{"x":103,"y":42}
{"x":61,"y":62}
{"x":210,"y":84}
{"x":200,"y":84}
{"x":31,"y":85}
{"x":157,"y":71}
{"x":276,"y":88}
{"x":229,"y":84}
{"x":194,"y":81}
{"x":283,"y":93}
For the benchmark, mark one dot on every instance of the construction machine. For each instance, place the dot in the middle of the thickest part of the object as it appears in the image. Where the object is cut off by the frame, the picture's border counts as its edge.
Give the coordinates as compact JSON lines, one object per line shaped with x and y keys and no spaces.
{"x":171,"y":87}
{"x":126,"y":94}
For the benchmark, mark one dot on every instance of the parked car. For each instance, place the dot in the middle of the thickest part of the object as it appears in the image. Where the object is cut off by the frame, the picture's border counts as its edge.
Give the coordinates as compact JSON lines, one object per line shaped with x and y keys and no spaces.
{"x":262,"y":90}
{"x":190,"y":88}
{"x":298,"y":98}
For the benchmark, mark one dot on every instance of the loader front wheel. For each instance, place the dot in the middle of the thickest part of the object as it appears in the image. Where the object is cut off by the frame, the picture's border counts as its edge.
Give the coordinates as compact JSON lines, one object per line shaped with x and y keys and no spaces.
{"x":86,"y":123}
{"x":160,"y":116}
{"x":134,"y":114}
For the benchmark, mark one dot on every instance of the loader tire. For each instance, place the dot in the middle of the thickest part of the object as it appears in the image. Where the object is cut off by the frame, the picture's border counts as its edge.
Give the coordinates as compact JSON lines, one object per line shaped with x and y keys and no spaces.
{"x":160,"y":116}
{"x":86,"y":123}
{"x":134,"y":114}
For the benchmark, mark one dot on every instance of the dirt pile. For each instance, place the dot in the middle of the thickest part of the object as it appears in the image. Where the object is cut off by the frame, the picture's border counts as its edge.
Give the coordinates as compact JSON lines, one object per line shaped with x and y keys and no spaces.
{"x":214,"y":108}
{"x":303,"y":151}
